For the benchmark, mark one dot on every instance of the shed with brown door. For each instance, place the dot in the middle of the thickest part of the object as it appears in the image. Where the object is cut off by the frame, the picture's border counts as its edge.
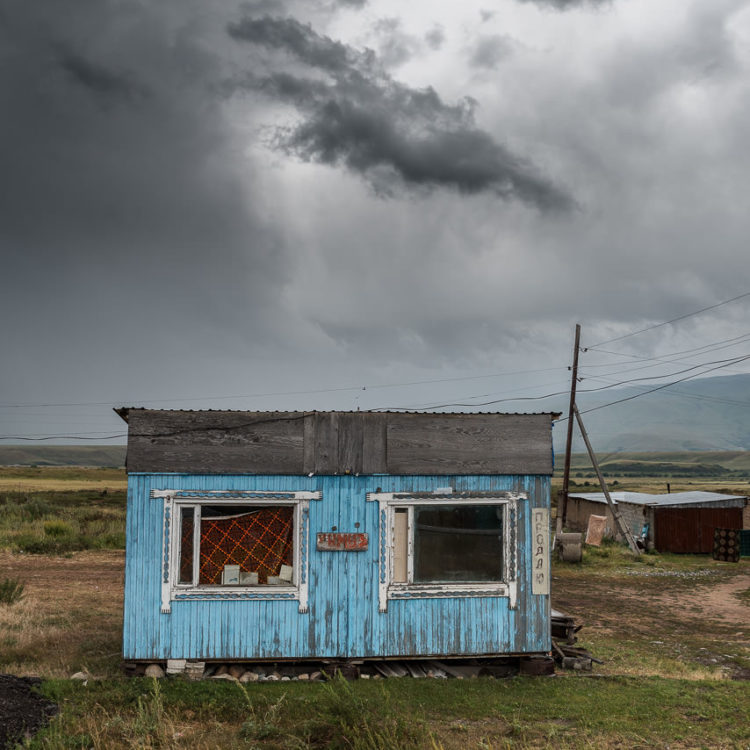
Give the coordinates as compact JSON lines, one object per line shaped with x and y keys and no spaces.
{"x":677,"y":522}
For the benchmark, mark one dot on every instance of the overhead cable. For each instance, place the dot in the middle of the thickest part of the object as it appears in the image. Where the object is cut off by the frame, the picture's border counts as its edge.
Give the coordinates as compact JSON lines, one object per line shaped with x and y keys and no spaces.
{"x":667,"y":322}
{"x":286,"y":393}
{"x":63,"y":437}
{"x":659,"y":388}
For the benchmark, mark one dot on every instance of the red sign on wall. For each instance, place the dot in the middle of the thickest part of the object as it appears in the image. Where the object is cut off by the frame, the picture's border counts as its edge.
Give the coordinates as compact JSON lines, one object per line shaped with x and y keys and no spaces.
{"x":342,"y":542}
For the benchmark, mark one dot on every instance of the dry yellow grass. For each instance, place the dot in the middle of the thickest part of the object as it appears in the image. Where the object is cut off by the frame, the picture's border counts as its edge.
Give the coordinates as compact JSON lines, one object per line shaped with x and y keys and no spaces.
{"x":32,"y":484}
{"x":60,"y":479}
{"x":69,"y":618}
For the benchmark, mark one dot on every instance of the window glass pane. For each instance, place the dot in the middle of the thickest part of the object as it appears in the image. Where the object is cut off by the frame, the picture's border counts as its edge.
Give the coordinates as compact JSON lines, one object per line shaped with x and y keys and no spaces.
{"x":246,"y":546}
{"x":458,"y":543}
{"x":186,"y":545}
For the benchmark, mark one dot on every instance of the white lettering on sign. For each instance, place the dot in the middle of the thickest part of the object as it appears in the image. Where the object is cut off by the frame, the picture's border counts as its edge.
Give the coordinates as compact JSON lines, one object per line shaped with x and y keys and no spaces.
{"x":540,"y":551}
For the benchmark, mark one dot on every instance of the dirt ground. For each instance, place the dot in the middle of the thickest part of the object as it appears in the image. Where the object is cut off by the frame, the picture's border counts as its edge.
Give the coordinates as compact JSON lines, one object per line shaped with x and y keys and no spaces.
{"x":681,"y":623}
{"x":716,"y":602}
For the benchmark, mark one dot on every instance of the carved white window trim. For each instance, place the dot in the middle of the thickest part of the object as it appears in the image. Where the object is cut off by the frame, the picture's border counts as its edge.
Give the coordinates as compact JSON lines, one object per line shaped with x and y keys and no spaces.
{"x":388,"y":502}
{"x":174,"y":500}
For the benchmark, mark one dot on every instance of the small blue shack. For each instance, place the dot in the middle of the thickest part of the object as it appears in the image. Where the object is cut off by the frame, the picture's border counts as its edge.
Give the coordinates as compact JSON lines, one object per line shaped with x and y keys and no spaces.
{"x":336,"y":535}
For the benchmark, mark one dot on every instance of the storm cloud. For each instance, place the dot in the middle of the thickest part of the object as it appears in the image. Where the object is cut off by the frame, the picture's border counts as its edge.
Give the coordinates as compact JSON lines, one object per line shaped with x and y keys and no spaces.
{"x":490,"y":51}
{"x":97,"y":79}
{"x":203,"y":203}
{"x":567,"y":4}
{"x":121,"y":184}
{"x":392,"y":134}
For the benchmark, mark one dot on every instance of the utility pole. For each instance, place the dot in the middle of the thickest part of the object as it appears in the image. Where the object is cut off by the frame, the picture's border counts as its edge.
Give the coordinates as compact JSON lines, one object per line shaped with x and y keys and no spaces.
{"x":622,"y":527}
{"x":562,"y":498}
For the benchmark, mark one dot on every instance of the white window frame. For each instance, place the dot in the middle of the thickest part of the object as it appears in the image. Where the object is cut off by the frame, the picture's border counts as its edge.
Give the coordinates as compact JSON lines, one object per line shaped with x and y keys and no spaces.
{"x":173,"y":503}
{"x":390,"y":502}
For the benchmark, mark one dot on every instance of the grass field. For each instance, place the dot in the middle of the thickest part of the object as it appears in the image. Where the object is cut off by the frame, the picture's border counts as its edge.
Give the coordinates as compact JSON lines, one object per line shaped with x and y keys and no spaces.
{"x":711,"y":471}
{"x":62,"y":478}
{"x":673,"y":631}
{"x":58,"y":522}
{"x":564,"y":712}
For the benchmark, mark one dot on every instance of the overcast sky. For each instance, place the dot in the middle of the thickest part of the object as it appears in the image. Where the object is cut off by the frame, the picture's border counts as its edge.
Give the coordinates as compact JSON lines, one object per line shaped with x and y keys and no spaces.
{"x":287,"y":202}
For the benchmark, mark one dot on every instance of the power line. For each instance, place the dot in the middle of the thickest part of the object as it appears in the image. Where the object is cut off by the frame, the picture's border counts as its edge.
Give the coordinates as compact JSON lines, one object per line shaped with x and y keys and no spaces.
{"x":484,"y":403}
{"x":284,"y":393}
{"x":730,"y":361}
{"x":659,"y":388}
{"x":701,"y":397}
{"x":675,"y":356}
{"x":668,"y":322}
{"x":421,"y":406}
{"x":718,"y":344}
{"x":80,"y":436}
{"x":723,"y":362}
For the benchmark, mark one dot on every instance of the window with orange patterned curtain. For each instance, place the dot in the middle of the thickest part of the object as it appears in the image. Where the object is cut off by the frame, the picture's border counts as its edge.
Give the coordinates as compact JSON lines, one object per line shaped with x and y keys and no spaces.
{"x":237,"y":545}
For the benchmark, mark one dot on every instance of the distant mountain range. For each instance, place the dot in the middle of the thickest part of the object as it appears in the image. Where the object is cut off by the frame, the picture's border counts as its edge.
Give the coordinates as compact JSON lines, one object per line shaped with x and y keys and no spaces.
{"x":63,"y":455}
{"x":697,"y":415}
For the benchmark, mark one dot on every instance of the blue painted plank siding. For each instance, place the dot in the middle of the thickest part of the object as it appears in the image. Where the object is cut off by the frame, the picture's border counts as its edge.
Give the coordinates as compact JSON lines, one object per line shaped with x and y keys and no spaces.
{"x":343,"y":618}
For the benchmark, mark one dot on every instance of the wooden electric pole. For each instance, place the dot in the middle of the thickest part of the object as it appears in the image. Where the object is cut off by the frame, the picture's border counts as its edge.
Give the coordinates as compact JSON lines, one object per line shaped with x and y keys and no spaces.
{"x":562,"y":498}
{"x":622,"y":527}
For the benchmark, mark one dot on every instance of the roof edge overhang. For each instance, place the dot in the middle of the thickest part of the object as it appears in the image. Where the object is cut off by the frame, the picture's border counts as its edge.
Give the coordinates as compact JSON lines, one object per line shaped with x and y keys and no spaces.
{"x":124,"y":412}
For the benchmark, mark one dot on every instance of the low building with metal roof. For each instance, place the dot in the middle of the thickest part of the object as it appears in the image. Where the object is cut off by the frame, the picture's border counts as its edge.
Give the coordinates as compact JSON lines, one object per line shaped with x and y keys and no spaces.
{"x":336,"y":535}
{"x":673,"y":522}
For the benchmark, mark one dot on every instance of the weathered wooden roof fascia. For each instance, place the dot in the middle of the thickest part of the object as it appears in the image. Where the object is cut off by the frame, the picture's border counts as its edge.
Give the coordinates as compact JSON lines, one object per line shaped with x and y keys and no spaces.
{"x":242,"y":442}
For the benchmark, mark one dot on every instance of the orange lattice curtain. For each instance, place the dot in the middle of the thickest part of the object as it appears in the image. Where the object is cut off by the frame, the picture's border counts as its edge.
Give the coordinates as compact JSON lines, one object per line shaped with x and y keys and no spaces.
{"x":260,"y":541}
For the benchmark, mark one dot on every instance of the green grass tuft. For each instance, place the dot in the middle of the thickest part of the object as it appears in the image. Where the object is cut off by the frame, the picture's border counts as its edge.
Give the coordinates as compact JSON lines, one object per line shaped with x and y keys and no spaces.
{"x":59,"y":523}
{"x":11,"y":591}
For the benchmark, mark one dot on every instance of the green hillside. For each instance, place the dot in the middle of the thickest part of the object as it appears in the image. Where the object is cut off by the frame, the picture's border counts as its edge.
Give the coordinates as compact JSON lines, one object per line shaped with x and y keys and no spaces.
{"x":720,"y":464}
{"x":63,"y":455}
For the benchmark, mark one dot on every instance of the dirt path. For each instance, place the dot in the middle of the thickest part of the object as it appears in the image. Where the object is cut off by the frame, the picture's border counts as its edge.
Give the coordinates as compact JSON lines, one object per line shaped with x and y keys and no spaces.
{"x":717,"y":602}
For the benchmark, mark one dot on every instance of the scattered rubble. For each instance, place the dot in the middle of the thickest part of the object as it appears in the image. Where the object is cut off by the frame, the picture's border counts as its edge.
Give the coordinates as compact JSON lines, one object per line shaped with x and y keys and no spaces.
{"x":565,"y":653}
{"x":672,"y":573}
{"x":460,"y":668}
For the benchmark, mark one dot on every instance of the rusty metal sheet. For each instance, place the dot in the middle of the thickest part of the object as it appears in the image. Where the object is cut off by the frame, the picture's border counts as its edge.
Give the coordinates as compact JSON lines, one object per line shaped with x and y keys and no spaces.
{"x":691,"y":530}
{"x":342,"y":542}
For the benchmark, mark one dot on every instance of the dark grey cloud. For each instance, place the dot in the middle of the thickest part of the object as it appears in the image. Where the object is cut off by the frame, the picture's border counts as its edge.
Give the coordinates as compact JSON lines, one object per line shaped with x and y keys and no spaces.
{"x":392,"y":134}
{"x":120,"y":173}
{"x":154,"y":246}
{"x":97,"y":78}
{"x":490,"y":50}
{"x":567,"y":4}
{"x":395,"y":46}
{"x":435,"y":37}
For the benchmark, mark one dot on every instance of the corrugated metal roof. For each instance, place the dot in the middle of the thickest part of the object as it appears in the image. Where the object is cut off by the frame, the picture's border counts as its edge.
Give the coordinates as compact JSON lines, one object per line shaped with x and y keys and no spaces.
{"x":123,"y":411}
{"x":694,"y":497}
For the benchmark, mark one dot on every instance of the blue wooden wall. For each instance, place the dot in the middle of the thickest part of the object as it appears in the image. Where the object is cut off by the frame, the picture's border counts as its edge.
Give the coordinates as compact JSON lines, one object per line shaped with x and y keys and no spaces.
{"x":343,"y":618}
